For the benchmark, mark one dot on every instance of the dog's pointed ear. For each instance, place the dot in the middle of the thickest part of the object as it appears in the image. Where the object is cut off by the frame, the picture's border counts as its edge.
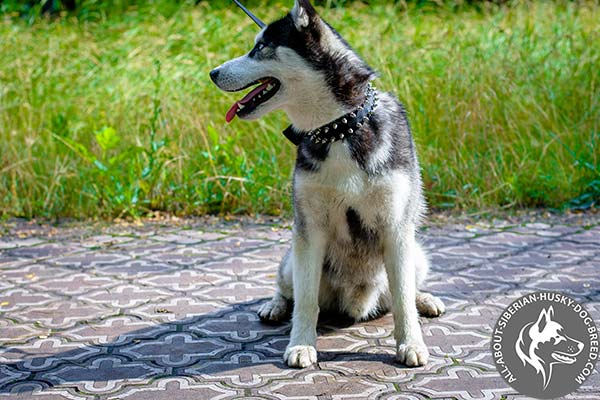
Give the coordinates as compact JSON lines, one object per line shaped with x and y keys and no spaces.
{"x":544,"y":318}
{"x":302,"y":13}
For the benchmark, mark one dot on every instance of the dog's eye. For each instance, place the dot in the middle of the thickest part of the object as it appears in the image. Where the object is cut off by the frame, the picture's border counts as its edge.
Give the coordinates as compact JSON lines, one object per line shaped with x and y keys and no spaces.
{"x":558,"y":339}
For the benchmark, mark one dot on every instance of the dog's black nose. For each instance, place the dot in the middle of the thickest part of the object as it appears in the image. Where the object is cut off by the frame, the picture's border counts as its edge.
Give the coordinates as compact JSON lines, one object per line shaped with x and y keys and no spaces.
{"x":214,"y":74}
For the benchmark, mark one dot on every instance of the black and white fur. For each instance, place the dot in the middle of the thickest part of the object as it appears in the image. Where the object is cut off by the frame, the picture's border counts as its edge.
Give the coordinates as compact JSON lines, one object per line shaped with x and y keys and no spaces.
{"x":357,"y":202}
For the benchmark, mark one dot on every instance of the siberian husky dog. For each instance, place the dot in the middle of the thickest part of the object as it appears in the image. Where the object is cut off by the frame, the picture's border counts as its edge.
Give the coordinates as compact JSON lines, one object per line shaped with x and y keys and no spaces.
{"x":543,"y":344}
{"x":356,"y":188}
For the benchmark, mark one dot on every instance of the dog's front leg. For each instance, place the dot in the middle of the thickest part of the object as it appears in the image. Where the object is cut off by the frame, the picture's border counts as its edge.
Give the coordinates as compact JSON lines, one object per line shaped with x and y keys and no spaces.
{"x":399,"y":262}
{"x":308,"y":252}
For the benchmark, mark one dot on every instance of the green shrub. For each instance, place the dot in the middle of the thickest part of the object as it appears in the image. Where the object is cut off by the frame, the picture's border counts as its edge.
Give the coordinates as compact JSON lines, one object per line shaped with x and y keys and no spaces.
{"x":503,"y":101}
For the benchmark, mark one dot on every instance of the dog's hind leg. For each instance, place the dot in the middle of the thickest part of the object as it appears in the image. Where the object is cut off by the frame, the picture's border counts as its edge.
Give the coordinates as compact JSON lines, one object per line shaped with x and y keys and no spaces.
{"x":275,"y":310}
{"x":279,"y":307}
{"x":427,"y":304}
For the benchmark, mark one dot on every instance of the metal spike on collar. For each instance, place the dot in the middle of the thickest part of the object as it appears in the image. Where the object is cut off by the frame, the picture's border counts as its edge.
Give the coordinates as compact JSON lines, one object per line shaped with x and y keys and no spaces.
{"x":351,"y":123}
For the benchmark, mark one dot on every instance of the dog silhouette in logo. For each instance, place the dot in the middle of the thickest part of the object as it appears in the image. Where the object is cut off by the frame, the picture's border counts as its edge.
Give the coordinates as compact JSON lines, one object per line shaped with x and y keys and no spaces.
{"x":543,"y":344}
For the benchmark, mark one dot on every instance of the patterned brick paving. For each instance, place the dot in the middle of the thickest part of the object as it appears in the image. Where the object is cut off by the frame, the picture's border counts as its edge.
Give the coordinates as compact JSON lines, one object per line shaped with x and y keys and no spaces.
{"x":167,"y":311}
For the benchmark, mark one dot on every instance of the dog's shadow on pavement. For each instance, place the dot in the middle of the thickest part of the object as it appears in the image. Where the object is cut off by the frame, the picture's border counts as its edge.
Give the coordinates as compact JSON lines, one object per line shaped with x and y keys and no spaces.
{"x":230,"y":343}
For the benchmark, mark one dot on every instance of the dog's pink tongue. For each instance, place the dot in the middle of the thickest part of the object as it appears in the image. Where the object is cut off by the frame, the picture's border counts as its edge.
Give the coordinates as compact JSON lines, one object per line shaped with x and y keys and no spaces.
{"x":232,"y":112}
{"x":253,"y":93}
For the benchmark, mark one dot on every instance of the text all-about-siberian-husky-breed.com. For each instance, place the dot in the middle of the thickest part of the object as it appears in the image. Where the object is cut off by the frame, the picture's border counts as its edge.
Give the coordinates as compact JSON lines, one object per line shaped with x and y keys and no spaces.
{"x":357,"y":185}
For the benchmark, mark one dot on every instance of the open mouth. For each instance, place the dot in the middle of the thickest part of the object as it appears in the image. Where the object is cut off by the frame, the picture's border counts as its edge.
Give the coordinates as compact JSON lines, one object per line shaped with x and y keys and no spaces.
{"x":563,"y":358}
{"x":262,"y":93}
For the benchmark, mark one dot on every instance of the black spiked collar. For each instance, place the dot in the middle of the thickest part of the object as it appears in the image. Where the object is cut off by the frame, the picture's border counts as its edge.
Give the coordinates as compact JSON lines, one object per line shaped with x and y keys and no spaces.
{"x":340,"y":129}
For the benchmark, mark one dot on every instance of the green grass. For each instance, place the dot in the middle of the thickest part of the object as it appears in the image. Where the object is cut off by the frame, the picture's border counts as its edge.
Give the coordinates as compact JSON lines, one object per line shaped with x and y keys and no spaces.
{"x":110,"y":111}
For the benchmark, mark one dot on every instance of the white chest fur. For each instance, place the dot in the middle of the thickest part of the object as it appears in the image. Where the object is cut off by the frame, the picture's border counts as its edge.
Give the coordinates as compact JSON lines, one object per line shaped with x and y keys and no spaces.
{"x":339,"y":184}
{"x":339,"y":172}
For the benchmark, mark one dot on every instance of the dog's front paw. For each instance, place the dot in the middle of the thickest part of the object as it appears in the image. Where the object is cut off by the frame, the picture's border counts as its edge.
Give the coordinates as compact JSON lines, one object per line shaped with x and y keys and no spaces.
{"x":429,"y":305}
{"x":300,"y":356}
{"x":412,"y":354}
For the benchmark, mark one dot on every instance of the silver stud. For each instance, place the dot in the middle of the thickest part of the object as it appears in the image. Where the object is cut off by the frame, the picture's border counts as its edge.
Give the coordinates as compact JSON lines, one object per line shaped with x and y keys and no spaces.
{"x":326,"y":129}
{"x":350,"y":131}
{"x":344,"y":120}
{"x":358,"y":125}
{"x":334,"y":126}
{"x":353,"y":115}
{"x":332,"y":140}
{"x":342,"y":136}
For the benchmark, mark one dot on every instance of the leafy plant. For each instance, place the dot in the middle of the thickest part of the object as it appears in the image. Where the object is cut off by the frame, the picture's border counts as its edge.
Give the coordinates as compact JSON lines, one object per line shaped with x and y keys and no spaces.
{"x":88,"y":128}
{"x":124,"y":178}
{"x":588,"y":160}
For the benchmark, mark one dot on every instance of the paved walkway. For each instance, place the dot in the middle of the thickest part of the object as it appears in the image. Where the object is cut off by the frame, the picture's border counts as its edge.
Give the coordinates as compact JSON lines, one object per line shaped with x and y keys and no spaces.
{"x":167,"y":311}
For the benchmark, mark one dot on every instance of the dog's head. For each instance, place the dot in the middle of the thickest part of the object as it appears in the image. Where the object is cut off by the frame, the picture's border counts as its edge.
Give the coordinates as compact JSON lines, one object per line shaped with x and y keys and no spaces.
{"x":552,"y":343}
{"x":298,"y":62}
{"x":544,"y":343}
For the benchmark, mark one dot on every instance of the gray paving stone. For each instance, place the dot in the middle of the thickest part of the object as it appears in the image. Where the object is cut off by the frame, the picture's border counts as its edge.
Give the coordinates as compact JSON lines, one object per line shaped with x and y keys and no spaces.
{"x":168,"y":311}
